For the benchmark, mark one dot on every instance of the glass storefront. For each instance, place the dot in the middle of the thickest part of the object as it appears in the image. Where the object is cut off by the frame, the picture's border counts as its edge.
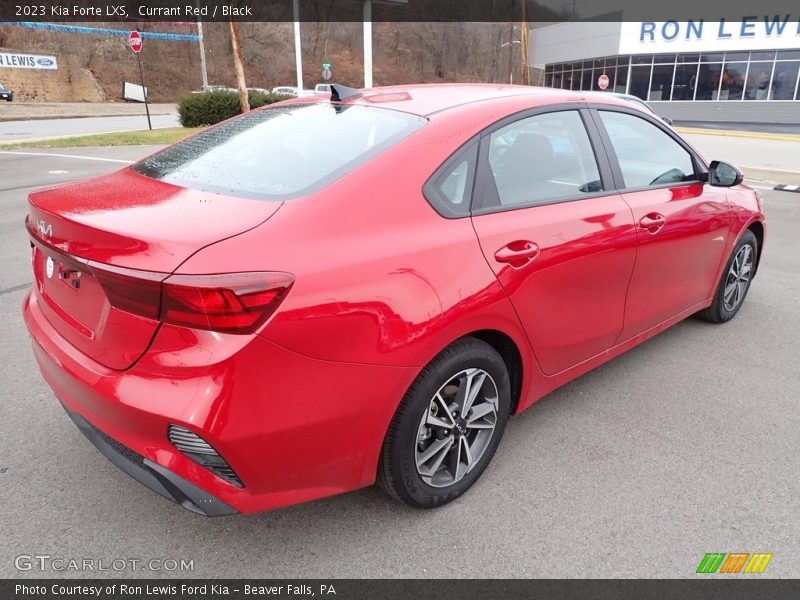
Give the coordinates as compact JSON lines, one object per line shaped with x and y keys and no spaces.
{"x":742,"y":76}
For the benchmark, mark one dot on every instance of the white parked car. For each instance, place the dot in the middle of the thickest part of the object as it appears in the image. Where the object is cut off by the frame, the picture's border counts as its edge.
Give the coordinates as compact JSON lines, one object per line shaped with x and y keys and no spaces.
{"x":286,"y":90}
{"x":290,"y":90}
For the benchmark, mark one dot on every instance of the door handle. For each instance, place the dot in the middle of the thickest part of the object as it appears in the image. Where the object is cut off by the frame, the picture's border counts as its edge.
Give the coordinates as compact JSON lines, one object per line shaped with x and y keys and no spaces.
{"x":517,"y":253}
{"x":653,"y":222}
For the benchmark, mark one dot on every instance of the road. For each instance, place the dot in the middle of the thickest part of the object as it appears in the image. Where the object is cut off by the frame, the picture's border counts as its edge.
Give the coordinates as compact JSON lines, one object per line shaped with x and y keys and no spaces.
{"x":762,"y":157}
{"x":687,"y":444}
{"x":23,"y":130}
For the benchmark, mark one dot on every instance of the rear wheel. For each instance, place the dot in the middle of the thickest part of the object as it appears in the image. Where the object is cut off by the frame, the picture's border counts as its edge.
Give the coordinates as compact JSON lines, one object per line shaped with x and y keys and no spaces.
{"x":735,"y":281}
{"x":447,"y":427}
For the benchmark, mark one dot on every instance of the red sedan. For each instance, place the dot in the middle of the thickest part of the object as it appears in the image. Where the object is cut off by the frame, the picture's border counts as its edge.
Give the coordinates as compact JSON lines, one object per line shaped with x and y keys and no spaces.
{"x":326,"y":293}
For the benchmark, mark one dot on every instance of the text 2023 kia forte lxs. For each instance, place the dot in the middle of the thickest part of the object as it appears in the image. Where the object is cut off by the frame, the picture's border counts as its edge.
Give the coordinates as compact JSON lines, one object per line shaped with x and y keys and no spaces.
{"x":326,"y":293}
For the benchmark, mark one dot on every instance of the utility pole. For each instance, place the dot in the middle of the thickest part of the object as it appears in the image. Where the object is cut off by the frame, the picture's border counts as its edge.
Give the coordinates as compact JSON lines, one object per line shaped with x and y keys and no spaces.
{"x":244,"y":102}
{"x":202,"y":51}
{"x":367,"y":43}
{"x":298,"y":55}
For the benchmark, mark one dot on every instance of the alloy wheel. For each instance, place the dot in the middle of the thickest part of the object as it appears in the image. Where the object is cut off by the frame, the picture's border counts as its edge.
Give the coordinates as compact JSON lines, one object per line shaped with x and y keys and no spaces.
{"x":738,"y":278}
{"x":455,"y":430}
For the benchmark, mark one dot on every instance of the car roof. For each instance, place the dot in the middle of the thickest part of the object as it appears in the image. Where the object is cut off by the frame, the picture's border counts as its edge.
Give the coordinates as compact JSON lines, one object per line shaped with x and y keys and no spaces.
{"x":427,"y":99}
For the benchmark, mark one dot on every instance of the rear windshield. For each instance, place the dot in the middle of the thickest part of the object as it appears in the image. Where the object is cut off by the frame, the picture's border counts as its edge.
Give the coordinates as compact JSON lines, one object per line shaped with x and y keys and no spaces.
{"x":280,"y":152}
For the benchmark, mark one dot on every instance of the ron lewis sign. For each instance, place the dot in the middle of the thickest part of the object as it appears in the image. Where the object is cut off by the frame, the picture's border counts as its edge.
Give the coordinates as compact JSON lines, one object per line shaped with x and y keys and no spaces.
{"x":15,"y":60}
{"x":755,"y":32}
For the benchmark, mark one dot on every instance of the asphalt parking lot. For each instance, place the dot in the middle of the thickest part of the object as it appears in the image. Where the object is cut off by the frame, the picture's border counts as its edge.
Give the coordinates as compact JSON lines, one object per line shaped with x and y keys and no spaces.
{"x":686,"y":445}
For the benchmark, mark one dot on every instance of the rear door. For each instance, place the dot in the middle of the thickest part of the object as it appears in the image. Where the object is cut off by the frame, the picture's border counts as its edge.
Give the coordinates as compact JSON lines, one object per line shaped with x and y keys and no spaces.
{"x":559,"y":238}
{"x":681,"y":223}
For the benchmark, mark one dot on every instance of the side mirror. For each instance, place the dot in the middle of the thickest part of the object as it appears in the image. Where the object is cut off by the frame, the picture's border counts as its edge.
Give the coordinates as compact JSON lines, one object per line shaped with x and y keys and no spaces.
{"x":722,"y":174}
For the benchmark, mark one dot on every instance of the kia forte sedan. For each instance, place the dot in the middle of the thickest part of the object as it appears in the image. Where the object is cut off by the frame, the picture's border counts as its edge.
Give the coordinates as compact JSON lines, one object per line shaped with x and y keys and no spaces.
{"x":331,"y":292}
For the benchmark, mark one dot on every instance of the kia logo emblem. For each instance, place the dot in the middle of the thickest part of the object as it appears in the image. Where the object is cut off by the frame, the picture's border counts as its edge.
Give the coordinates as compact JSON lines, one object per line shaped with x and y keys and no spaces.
{"x":46,"y":229}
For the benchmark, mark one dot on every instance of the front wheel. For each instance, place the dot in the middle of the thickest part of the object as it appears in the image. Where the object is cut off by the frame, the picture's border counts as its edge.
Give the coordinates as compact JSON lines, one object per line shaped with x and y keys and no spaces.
{"x":447,"y":426}
{"x":735,"y":281}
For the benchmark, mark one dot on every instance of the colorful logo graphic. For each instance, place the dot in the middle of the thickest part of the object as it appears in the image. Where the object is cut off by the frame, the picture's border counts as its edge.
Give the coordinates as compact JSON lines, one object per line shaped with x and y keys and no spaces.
{"x":734,"y":562}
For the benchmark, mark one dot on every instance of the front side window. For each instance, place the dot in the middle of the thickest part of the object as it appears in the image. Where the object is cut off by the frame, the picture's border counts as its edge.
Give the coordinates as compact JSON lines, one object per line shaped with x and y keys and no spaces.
{"x":543,"y":159}
{"x":280,"y":152}
{"x":647,"y":155}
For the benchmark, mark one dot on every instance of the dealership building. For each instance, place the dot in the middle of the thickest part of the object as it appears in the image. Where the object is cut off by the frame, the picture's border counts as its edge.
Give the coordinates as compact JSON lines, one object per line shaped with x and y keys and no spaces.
{"x":728,"y":70}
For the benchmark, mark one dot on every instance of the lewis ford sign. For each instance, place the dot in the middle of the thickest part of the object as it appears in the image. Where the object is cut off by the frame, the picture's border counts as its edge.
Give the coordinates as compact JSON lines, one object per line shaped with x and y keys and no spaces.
{"x":15,"y":60}
{"x":756,"y":32}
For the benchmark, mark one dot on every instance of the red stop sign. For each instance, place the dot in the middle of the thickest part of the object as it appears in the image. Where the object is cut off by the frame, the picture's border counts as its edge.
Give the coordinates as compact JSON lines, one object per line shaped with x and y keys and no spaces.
{"x":135,"y":41}
{"x":602,"y":81}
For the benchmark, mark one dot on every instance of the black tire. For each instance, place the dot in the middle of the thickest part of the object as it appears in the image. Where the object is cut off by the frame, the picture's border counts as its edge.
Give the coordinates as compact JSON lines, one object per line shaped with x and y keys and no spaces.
{"x":398,"y":474}
{"x":718,"y":312}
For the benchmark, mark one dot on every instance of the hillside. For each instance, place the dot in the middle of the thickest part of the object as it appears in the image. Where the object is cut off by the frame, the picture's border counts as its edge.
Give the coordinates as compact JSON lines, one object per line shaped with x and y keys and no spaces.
{"x":93,"y":67}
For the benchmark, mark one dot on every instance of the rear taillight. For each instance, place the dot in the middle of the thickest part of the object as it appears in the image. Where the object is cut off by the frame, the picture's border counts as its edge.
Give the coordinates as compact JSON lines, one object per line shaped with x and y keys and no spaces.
{"x":232,"y":303}
{"x":137,"y":292}
{"x":229,"y":303}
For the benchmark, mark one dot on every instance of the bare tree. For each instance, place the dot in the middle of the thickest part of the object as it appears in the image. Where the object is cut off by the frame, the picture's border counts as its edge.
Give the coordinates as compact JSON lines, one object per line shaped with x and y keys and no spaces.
{"x":244,"y":102}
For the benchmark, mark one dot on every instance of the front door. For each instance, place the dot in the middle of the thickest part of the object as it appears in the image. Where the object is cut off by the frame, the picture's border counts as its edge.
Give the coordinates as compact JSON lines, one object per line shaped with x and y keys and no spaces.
{"x":682,"y":223}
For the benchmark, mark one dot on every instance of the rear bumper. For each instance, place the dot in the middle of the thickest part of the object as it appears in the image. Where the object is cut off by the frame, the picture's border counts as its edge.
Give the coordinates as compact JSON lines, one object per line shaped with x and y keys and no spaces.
{"x":293,"y":428}
{"x":157,"y":478}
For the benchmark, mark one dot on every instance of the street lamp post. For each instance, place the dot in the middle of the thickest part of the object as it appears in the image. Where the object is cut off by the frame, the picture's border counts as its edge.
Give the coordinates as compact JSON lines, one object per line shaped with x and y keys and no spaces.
{"x":510,"y":59}
{"x":298,"y":57}
{"x":367,"y":43}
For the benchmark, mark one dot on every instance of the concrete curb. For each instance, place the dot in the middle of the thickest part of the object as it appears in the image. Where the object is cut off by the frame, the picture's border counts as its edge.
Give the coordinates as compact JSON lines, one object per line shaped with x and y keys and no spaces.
{"x":757,"y":135}
{"x":787,"y":188}
{"x":771,"y":176}
{"x":5,"y":143}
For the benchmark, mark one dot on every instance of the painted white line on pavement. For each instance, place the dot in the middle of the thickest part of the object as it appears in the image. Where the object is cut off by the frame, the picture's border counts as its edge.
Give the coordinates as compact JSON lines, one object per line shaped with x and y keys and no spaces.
{"x":115,"y":160}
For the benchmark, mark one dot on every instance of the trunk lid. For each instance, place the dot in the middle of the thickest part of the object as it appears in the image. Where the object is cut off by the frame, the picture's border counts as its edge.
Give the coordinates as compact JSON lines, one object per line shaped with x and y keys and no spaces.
{"x":121,"y":224}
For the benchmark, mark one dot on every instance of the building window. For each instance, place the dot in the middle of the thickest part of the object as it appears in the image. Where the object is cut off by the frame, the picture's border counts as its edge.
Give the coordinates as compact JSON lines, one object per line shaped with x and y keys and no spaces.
{"x":788,"y":54}
{"x":586,"y":82}
{"x":640,"y":81}
{"x":685,"y":82}
{"x":758,"y":77}
{"x":708,"y":81}
{"x":733,"y":81}
{"x":661,"y":82}
{"x":621,"y":82}
{"x":784,"y":81}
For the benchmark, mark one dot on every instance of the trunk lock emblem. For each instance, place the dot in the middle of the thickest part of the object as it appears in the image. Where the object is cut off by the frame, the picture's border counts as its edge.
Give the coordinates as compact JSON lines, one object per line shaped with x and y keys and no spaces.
{"x":51,"y":267}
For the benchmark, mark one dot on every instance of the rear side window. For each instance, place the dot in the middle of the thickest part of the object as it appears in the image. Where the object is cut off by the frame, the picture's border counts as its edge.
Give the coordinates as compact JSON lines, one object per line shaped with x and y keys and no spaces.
{"x":280,"y":152}
{"x":646,"y":154}
{"x":449,"y":191}
{"x":543,"y":159}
